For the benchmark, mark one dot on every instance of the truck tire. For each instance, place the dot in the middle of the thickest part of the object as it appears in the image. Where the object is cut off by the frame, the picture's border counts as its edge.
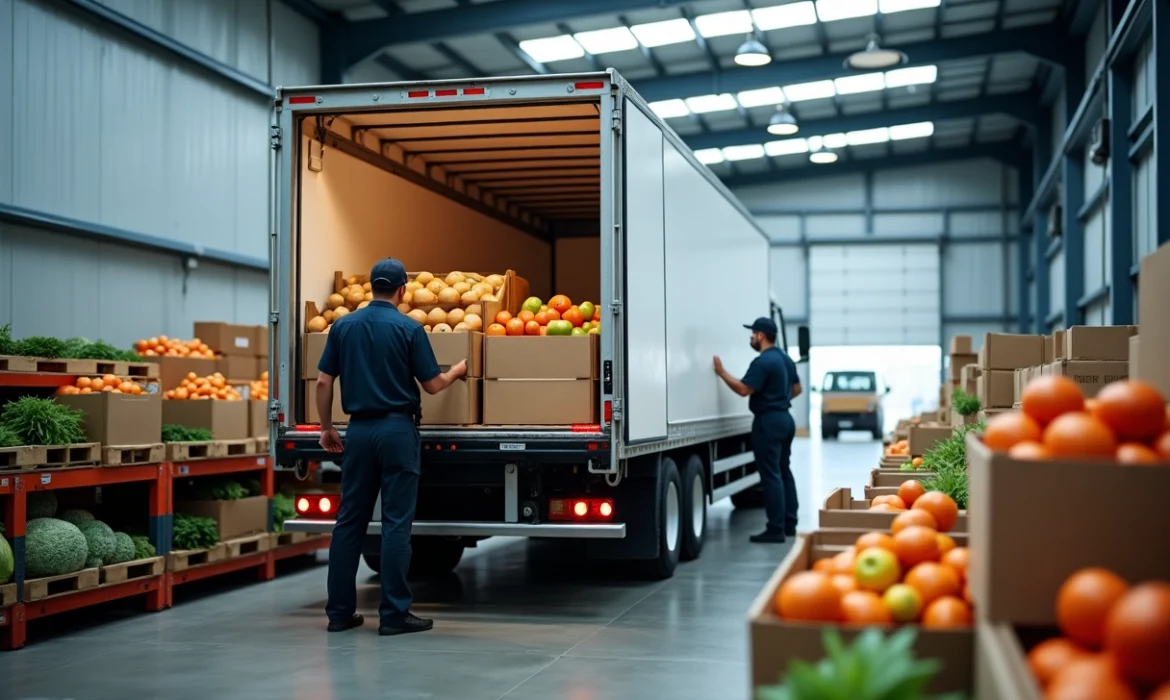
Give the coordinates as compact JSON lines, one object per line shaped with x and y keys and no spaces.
{"x":670,"y":525}
{"x":434,"y":556}
{"x":750,"y":498}
{"x":827,"y":434}
{"x":694,"y":509}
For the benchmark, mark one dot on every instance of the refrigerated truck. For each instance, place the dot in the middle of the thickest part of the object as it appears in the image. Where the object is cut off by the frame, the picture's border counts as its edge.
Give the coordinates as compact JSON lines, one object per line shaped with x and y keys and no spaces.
{"x":574,"y":183}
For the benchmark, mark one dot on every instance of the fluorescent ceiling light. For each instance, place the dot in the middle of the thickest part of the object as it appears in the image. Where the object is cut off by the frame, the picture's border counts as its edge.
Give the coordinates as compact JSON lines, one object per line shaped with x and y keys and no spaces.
{"x":866,"y":82}
{"x":798,"y":14}
{"x":918,"y":75}
{"x":868,"y":136}
{"x":911,"y":131}
{"x":607,"y":40}
{"x":724,"y":23}
{"x":833,"y":10}
{"x":835,"y":141}
{"x":761,"y":98}
{"x":810,"y":91}
{"x":748,"y":152}
{"x":786,"y":147}
{"x":823,"y":157}
{"x":709,"y":156}
{"x":553,"y":48}
{"x":670,"y":109}
{"x":671,"y":31}
{"x":704,"y":104}
{"x":889,"y":6}
{"x":815,"y":143}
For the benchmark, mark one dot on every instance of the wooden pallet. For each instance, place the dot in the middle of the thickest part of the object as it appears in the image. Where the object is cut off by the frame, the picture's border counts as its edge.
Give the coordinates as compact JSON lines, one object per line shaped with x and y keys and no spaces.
{"x":261,"y":445}
{"x":132,"y":570}
{"x":16,"y":363}
{"x":66,"y":366}
{"x":188,"y":451}
{"x":120,"y":456}
{"x":51,"y":586}
{"x":142,"y":370}
{"x":238,"y":448}
{"x":7,"y":595}
{"x":183,"y":559}
{"x":71,"y":455}
{"x":284,"y":539}
{"x":245,"y":546}
{"x":20,"y":458}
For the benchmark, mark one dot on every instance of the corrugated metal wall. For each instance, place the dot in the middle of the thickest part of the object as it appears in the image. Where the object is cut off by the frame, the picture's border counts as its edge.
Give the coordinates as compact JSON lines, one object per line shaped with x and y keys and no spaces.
{"x":101,"y":129}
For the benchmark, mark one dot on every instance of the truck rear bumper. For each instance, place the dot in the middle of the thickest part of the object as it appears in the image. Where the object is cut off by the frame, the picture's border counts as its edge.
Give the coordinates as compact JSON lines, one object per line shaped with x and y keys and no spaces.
{"x":613,"y":531}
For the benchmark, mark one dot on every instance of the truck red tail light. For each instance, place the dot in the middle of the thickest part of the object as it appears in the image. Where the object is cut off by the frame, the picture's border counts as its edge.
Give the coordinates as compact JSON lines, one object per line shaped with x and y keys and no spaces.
{"x":317,"y":504}
{"x":580,"y":509}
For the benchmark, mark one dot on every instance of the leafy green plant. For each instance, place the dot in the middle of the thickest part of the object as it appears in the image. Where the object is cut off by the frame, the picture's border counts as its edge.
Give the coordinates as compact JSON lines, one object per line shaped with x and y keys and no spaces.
{"x":82,"y":349}
{"x":43,"y":422}
{"x":8,"y":437}
{"x":192,"y":532}
{"x":143,"y":549}
{"x":874,"y":667}
{"x":40,"y":346}
{"x":282,"y":509}
{"x":965,"y":404}
{"x":220,"y":490}
{"x":178,"y":433}
{"x":948,"y":460}
{"x":7,"y":344}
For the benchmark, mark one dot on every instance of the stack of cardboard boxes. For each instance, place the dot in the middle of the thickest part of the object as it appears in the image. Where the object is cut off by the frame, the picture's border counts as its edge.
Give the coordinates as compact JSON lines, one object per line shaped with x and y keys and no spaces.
{"x":242,"y":351}
{"x":962,"y":357}
{"x":999,"y":358}
{"x":461,"y":403}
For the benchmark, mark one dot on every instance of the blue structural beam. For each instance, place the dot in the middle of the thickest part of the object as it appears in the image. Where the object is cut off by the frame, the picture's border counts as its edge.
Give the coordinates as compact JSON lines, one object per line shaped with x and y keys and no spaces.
{"x":1073,"y":180}
{"x":1046,"y":43}
{"x":308,"y":9}
{"x":1021,"y":106}
{"x":1024,"y":274}
{"x":1041,"y":153}
{"x":1006,"y":152}
{"x":1079,"y":15}
{"x":1161,"y":22}
{"x":1121,"y":203}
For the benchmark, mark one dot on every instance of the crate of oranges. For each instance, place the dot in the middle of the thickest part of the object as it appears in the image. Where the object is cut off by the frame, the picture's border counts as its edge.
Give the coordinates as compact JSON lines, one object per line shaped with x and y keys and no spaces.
{"x":210,"y":387}
{"x":106,"y":383}
{"x":162,"y":346}
{"x":1068,"y":482}
{"x":209,"y":403}
{"x":841,"y":510}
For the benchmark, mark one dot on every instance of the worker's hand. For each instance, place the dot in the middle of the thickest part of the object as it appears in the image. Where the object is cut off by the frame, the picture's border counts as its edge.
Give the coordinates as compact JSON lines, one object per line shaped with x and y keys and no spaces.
{"x":459,"y":370}
{"x":718,"y":366}
{"x":331,"y":440}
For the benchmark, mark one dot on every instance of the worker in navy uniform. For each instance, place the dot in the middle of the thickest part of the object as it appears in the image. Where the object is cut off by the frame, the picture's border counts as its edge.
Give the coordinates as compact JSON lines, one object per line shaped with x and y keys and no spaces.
{"x":378,"y":354}
{"x":771,"y":381}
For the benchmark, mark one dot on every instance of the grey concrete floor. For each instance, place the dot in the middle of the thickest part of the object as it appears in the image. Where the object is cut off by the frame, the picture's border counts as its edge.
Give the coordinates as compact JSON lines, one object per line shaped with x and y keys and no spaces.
{"x":517,"y":621}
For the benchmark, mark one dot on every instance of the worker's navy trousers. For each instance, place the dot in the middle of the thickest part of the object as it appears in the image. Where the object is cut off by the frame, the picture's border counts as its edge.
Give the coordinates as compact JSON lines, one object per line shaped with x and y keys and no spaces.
{"x":772,"y":435}
{"x":381,"y":455}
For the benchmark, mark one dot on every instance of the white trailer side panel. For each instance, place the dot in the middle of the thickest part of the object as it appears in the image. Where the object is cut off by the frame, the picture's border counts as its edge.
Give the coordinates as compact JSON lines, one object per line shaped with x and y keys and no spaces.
{"x":645,"y":319}
{"x":717,"y":276}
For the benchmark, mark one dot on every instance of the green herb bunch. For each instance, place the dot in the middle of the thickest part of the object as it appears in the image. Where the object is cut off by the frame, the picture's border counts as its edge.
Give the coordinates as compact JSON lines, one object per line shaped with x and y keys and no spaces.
{"x":43,"y":422}
{"x":40,"y":346}
{"x":282,"y":509}
{"x":8,"y":437}
{"x":178,"y":433}
{"x":143,"y":549}
{"x":948,"y":460}
{"x":965,"y":404}
{"x":220,"y":490}
{"x":194,"y":533}
{"x":7,"y":344}
{"x":82,"y":349}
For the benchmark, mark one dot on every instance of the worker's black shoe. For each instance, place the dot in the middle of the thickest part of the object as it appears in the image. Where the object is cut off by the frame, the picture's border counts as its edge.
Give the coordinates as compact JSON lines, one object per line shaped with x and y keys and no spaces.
{"x":345,"y":625}
{"x":409,"y":624}
{"x":768,"y":537}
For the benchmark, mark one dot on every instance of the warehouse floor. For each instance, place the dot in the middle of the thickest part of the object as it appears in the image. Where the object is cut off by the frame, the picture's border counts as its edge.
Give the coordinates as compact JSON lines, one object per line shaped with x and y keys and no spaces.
{"x":519,"y":620}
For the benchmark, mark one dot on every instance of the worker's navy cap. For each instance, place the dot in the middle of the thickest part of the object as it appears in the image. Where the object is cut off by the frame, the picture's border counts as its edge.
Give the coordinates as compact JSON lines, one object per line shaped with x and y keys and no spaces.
{"x":388,"y":273}
{"x":765,"y":326}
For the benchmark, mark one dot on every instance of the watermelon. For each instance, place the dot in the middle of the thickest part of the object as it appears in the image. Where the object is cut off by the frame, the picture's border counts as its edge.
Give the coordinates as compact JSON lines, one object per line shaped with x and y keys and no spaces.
{"x":7,"y":561}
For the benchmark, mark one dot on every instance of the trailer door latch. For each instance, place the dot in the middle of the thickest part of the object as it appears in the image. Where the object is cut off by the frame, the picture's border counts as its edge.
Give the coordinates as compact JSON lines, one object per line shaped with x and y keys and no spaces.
{"x":275,"y":137}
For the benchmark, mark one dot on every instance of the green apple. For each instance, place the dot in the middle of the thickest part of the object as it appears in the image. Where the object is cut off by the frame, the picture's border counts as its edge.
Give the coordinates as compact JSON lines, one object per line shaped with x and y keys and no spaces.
{"x":579,"y":331}
{"x":587,"y":309}
{"x":876,"y":569}
{"x":532,"y":304}
{"x":596,"y":330}
{"x":560,"y":328}
{"x":907,"y":467}
{"x":586,"y":326}
{"x":903,"y":601}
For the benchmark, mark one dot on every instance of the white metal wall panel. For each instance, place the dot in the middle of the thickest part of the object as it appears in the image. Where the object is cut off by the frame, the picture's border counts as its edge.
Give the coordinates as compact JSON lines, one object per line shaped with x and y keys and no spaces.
{"x":814,"y":194}
{"x":7,"y":39}
{"x":905,"y":224}
{"x":962,"y":183}
{"x":1096,"y":249}
{"x":1056,"y":283}
{"x":645,"y":297}
{"x":788,"y":268}
{"x":834,"y":226}
{"x":977,"y":223}
{"x":874,"y":295}
{"x":1143,"y":78}
{"x":296,"y":52}
{"x":781,"y":229}
{"x":1145,"y":211}
{"x":707,"y":238}
{"x":974,"y":281}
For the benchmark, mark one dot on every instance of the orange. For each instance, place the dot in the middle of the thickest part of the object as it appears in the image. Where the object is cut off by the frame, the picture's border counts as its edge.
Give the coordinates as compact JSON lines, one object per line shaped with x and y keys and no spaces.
{"x":941,"y":506}
{"x":541,"y":318}
{"x":503,"y":317}
{"x":824,"y":566}
{"x":810,"y":596}
{"x":574,"y":316}
{"x":1049,"y":657}
{"x":1029,"y":450}
{"x":1084,"y":601}
{"x":1007,"y":430}
{"x":884,"y":508}
{"x":560,"y":303}
{"x":1048,"y":397}
{"x":83,"y":382}
{"x":1133,"y":409}
{"x":1080,"y":436}
{"x":843,"y":562}
{"x":945,"y":613}
{"x":1137,"y":453}
{"x":894,"y":501}
{"x":864,"y":608}
{"x":933,"y":581}
{"x":945,"y":543}
{"x":515,"y":327}
{"x":958,"y":559}
{"x":875,"y":539}
{"x":844,"y":583}
{"x":916,"y":544}
{"x":907,"y":518}
{"x":110,"y":380}
{"x":910,"y":490}
{"x":496,"y":330}
{"x":1137,"y":633}
{"x":526,"y":316}
{"x":1162,"y":445}
{"x":967,"y":593}
{"x":1091,"y":677}
{"x":532,"y":328}
{"x":916,"y":463}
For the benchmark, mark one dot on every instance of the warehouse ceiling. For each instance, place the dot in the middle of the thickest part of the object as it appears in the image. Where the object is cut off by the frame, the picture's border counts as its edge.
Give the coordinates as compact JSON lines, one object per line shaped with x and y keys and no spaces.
{"x":975,"y":74}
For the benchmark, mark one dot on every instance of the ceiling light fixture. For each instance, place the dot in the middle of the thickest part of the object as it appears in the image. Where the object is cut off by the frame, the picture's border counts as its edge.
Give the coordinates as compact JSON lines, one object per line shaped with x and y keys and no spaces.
{"x":822,"y":157}
{"x":751,"y":53}
{"x":709,"y":156}
{"x":782,"y":123}
{"x":874,"y":57}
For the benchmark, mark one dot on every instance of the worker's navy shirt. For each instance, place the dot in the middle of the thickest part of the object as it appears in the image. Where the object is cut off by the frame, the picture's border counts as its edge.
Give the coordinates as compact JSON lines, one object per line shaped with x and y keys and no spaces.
{"x":378,"y":353}
{"x":769,"y":380}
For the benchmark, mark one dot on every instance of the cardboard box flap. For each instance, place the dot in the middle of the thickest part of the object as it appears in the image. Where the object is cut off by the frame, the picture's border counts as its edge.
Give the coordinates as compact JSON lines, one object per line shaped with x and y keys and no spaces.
{"x":1097,"y":343}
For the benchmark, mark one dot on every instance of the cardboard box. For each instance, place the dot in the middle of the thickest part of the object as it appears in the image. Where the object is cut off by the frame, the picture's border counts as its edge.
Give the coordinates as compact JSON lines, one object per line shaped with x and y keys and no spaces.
{"x":840,"y":509}
{"x":173,"y":370}
{"x":539,"y":401}
{"x":238,"y":368}
{"x":1047,"y":350}
{"x":228,"y":338}
{"x":1091,"y":375}
{"x":261,"y":336}
{"x":541,"y":357}
{"x":1056,"y":351}
{"x":1097,"y":343}
{"x":257,"y":418}
{"x":958,"y":362}
{"x":458,"y":404}
{"x":227,"y":420}
{"x":896,"y":477}
{"x":1069,"y":515}
{"x":1001,"y":665}
{"x":1008,"y":351}
{"x":958,"y":421}
{"x":452,"y":348}
{"x":776,"y":642}
{"x":339,"y":416}
{"x":120,"y":420}
{"x":312,"y":347}
{"x":1135,"y":365}
{"x":962,"y":345}
{"x":245,"y":516}
{"x":1153,"y":291}
{"x":924,"y":437}
{"x":997,"y":389}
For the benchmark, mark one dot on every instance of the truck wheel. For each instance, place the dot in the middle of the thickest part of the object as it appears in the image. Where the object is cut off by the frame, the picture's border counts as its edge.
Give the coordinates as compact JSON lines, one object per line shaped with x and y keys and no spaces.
{"x":694,"y":525}
{"x":827,"y":434}
{"x":877,"y":433}
{"x":434,"y":556}
{"x":751,"y":498}
{"x":670,"y":527}
{"x":374,"y":561}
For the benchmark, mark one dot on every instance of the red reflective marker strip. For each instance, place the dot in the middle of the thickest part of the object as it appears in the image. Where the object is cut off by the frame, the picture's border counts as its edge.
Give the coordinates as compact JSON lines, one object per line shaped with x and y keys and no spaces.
{"x":418,"y":93}
{"x":590,"y":86}
{"x":303,"y":100}
{"x":474,"y":91}
{"x":446,"y":93}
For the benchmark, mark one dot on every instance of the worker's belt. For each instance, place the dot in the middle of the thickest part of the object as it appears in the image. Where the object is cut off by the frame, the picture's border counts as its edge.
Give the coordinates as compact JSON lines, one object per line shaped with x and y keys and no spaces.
{"x":413,"y":414}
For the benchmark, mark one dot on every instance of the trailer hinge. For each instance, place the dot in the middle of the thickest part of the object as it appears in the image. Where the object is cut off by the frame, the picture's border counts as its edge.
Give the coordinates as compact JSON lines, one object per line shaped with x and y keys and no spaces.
{"x":274,"y":317}
{"x":616,"y":308}
{"x":617,"y":410}
{"x":275,"y":137}
{"x":617,"y":121}
{"x":273,"y":410}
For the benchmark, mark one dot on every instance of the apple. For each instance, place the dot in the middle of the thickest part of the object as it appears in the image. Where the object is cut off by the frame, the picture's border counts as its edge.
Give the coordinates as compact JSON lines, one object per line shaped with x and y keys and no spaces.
{"x":532,"y":304}
{"x":596,"y":330}
{"x":579,"y":331}
{"x":586,"y":326}
{"x":903,"y":602}
{"x":587,"y":310}
{"x":876,"y":569}
{"x":560,"y":328}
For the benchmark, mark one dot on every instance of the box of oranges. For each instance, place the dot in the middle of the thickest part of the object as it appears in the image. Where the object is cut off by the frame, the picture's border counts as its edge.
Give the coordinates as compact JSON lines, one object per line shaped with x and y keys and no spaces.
{"x":117,"y":413}
{"x":875,"y":582}
{"x":208,"y":402}
{"x":841,"y":510}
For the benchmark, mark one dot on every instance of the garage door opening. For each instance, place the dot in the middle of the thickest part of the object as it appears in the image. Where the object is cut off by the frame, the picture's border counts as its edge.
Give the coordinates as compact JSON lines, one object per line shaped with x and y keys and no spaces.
{"x":909,"y":372}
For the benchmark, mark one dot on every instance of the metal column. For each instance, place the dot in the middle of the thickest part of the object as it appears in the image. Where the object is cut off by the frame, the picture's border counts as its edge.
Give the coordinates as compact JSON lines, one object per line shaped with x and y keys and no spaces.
{"x":1041,"y":155}
{"x":1161,"y":155}
{"x":1121,"y":202}
{"x":1073,"y":182}
{"x":1025,"y":274}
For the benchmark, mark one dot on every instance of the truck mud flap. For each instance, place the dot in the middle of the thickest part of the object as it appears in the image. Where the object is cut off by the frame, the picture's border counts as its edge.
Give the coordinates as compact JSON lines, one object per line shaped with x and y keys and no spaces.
{"x":635,"y":503}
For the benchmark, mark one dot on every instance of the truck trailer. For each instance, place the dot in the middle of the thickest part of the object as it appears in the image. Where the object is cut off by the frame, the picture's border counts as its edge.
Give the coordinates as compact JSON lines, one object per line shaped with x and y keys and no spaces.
{"x":575,"y":184}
